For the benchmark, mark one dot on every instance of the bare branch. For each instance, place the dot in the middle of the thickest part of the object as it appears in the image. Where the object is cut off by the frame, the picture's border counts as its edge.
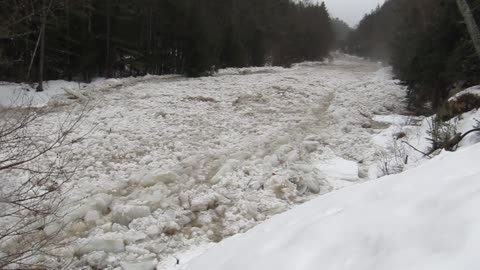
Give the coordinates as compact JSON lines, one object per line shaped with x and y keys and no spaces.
{"x":35,"y":170}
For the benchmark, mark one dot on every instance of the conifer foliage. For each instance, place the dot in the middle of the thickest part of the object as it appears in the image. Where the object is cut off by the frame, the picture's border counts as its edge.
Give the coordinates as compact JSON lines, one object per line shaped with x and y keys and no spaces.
{"x":342,"y":31}
{"x":80,"y":39}
{"x":426,"y":42}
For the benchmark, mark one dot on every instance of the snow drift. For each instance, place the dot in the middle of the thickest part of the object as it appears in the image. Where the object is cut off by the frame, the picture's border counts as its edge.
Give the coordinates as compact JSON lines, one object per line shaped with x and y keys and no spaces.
{"x":424,"y":218}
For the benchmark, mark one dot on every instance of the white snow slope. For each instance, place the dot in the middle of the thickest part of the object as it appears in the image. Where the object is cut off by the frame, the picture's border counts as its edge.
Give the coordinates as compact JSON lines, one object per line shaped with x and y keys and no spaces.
{"x":174,"y":162}
{"x":424,"y":218}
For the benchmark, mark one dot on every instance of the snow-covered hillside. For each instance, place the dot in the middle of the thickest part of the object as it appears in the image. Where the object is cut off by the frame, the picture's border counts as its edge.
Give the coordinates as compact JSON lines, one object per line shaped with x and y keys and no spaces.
{"x":424,"y":218}
{"x":173,"y":163}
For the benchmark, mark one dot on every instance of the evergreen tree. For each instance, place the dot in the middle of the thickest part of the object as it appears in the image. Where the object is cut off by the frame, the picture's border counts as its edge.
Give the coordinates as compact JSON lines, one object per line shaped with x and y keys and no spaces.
{"x":424,"y":42}
{"x":82,"y":39}
{"x":341,"y":30}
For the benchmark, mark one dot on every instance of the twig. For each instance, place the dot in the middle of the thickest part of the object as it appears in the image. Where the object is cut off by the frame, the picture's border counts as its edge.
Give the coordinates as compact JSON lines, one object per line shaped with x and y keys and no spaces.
{"x":414,"y":148}
{"x":454,"y":144}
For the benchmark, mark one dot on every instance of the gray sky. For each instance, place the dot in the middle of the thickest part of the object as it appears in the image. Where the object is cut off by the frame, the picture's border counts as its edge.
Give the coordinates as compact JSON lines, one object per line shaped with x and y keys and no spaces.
{"x":351,"y":11}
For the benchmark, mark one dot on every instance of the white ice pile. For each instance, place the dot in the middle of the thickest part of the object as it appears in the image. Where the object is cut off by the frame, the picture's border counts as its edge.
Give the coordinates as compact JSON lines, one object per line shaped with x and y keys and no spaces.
{"x":173,"y":162}
{"x":421,"y":219}
{"x":424,"y":218}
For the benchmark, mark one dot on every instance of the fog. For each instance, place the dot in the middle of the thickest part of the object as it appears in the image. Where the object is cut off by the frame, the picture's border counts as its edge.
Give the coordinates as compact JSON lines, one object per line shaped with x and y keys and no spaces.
{"x":351,"y":11}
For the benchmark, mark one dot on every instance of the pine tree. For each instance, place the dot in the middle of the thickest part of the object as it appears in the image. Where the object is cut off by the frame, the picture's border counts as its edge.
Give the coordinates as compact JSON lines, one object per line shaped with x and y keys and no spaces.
{"x":82,"y":39}
{"x":423,"y":41}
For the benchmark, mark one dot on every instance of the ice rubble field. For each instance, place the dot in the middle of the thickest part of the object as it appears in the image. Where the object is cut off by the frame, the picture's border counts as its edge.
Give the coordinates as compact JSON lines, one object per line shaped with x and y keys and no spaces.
{"x":173,"y":162}
{"x":424,"y":218}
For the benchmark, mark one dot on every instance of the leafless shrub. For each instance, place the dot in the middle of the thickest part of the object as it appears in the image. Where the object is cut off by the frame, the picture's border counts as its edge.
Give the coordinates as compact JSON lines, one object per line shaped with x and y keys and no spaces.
{"x":34,"y":171}
{"x":394,"y":158}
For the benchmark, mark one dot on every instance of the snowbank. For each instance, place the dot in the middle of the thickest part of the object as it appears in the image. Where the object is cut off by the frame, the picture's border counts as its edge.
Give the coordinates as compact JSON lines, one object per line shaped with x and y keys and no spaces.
{"x":407,"y":138}
{"x":424,"y":218}
{"x":14,"y":95}
{"x":20,"y":94}
{"x":474,"y":90}
{"x":23,"y":95}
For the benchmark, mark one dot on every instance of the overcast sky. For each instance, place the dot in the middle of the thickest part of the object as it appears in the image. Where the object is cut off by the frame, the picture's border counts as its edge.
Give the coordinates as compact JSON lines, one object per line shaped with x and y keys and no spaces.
{"x":351,"y":11}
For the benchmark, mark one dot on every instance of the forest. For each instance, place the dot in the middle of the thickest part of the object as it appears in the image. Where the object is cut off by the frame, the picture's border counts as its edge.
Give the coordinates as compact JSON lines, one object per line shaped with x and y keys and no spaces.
{"x":427,"y":44}
{"x":424,"y":41}
{"x":79,"y":40}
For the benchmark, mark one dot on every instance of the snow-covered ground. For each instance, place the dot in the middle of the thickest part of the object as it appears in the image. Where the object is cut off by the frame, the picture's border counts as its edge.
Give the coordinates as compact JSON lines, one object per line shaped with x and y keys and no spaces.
{"x":424,"y":218}
{"x":407,"y":139}
{"x":173,"y":163}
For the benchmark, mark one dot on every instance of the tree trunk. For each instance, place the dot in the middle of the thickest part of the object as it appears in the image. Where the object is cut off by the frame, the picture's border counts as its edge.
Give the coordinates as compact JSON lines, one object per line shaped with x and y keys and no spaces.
{"x":41,"y":62}
{"x":69,"y":49}
{"x":89,"y":14}
{"x":472,"y":26}
{"x":108,"y":34}
{"x":34,"y":55}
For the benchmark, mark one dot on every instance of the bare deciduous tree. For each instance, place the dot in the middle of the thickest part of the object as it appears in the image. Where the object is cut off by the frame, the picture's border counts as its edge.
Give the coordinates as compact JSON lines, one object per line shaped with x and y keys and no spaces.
{"x":34,"y":171}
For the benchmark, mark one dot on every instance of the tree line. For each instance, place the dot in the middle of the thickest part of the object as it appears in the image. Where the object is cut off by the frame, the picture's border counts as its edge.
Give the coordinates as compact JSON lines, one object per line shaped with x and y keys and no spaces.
{"x":81,"y":39}
{"x":426,"y":41}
